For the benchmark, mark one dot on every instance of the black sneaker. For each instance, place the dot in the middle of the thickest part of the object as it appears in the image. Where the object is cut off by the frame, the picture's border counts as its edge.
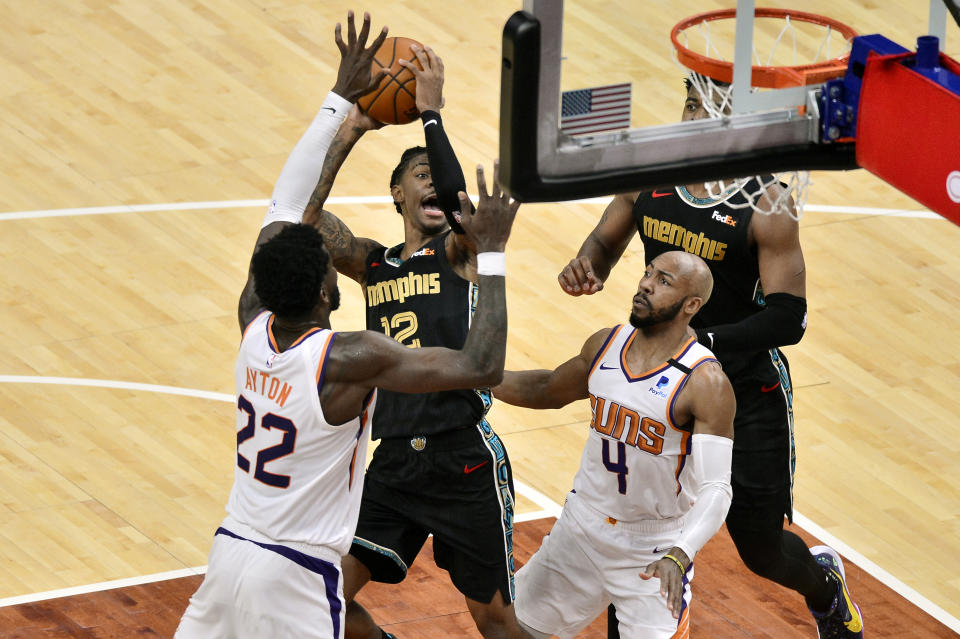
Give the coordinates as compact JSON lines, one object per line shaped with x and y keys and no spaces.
{"x":843,"y":620}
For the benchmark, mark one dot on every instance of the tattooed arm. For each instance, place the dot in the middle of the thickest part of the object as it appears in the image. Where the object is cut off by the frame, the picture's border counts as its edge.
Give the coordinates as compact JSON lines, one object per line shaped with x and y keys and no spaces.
{"x":362,"y":360}
{"x":349,"y":253}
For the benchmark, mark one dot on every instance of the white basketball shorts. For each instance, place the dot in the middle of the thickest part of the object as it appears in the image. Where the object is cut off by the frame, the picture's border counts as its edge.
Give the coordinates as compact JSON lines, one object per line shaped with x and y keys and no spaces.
{"x":588,"y":562}
{"x":255,"y":590}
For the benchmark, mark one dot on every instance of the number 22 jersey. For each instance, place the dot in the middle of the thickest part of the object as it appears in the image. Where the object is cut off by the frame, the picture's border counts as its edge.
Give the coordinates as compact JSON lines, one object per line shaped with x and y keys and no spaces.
{"x":634,"y":465}
{"x":298,"y":478}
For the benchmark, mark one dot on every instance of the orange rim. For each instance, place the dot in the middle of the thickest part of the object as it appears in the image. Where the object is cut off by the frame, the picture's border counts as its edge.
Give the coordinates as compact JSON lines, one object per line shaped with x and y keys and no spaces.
{"x":767,"y":77}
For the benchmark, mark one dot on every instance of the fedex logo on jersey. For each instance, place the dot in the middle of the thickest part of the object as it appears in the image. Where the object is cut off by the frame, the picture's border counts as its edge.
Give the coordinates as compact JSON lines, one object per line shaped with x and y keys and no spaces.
{"x":658,"y":390}
{"x":729,"y":220}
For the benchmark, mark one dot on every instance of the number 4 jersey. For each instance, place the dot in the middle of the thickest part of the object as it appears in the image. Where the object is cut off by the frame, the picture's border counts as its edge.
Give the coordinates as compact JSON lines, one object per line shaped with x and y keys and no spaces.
{"x":635,"y":465}
{"x":298,"y":478}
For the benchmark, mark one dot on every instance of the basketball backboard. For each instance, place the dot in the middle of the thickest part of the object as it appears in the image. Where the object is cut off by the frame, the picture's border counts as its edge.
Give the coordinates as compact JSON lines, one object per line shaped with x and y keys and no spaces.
{"x":765,"y":132}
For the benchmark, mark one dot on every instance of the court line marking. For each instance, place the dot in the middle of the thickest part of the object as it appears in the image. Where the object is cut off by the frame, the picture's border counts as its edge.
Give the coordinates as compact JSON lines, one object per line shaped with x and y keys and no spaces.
{"x":549,"y":507}
{"x":552,"y":511}
{"x":378,"y":199}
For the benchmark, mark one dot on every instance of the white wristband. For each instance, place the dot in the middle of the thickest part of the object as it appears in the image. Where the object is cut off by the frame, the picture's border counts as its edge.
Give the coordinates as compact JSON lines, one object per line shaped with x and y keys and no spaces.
{"x":491,"y":263}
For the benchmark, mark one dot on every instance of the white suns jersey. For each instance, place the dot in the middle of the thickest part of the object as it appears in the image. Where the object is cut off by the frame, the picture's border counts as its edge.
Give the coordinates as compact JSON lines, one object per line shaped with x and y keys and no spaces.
{"x":635,"y":463}
{"x":297,"y":479}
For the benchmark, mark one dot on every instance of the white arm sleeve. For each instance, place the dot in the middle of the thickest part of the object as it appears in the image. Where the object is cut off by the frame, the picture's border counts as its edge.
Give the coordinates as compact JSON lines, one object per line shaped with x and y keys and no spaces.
{"x":711,"y":457}
{"x":302,"y":171}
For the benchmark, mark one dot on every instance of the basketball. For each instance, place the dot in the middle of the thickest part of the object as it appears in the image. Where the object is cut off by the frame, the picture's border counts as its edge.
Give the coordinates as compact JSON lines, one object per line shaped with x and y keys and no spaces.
{"x":395,"y":100}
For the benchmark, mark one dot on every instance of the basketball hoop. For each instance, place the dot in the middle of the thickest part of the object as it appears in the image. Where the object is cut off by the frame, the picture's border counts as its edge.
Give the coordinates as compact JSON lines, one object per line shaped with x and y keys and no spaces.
{"x":807,"y":60}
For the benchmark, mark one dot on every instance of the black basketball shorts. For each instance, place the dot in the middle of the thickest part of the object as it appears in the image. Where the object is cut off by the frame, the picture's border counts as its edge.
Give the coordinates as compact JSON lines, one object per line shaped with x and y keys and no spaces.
{"x":456,"y":486}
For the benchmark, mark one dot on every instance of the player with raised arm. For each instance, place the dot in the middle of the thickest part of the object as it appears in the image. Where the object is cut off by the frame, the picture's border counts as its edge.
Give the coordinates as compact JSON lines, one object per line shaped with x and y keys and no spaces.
{"x":440,"y":468}
{"x":759,"y":304}
{"x":654,"y":479}
{"x":306,"y":396}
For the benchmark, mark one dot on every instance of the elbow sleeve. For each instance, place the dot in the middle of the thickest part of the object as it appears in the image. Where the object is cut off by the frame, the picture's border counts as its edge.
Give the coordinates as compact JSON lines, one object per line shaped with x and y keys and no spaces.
{"x":712,"y":457}
{"x":445,"y":169}
{"x":782,"y":322}
{"x":301,"y":172}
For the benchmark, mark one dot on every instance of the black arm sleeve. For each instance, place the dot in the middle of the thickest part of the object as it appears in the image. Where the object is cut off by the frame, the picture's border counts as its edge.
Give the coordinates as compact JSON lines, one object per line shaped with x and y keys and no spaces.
{"x":444,"y":168}
{"x":782,"y":322}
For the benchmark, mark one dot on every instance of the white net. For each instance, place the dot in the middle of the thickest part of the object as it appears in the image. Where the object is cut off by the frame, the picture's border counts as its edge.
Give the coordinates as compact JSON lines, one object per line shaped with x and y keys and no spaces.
{"x":786,"y":43}
{"x":780,"y":193}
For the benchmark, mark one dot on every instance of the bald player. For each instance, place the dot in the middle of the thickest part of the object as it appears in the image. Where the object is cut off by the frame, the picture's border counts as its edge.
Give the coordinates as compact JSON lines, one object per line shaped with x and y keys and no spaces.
{"x":654,"y":478}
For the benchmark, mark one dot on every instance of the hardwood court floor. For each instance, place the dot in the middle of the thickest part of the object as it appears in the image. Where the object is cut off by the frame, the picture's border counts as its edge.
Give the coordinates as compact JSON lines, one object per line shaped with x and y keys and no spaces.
{"x":122,"y":103}
{"x":729,"y":603}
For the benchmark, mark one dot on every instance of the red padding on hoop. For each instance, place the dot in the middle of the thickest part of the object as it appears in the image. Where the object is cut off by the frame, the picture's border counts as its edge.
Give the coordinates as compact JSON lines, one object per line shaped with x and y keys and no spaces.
{"x":908,"y":132}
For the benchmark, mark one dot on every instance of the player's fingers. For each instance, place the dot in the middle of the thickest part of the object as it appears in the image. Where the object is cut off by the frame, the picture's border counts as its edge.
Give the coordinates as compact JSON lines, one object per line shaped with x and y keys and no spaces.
{"x":351,"y":29}
{"x":673,"y":602}
{"x":435,"y":62}
{"x":463,"y":217}
{"x":422,"y":57}
{"x":338,"y":37}
{"x":568,"y":283}
{"x":364,"y":30}
{"x":579,"y":267}
{"x":496,"y":179}
{"x":375,"y":45}
{"x":481,"y":183}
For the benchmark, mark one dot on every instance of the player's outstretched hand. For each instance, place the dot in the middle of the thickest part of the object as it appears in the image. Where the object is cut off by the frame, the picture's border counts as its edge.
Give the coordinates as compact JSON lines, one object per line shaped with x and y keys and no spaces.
{"x":489,"y":227}
{"x":577,"y":278}
{"x":429,"y":77}
{"x":353,"y":77}
{"x":671,"y":582}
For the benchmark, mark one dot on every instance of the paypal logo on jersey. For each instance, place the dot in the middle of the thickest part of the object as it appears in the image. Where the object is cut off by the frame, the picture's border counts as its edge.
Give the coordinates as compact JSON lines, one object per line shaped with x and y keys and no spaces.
{"x":658,"y":391}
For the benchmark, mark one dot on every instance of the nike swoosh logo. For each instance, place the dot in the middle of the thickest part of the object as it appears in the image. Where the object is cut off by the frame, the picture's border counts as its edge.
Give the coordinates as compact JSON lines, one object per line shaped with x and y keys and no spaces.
{"x":330,"y":109}
{"x":428,"y":123}
{"x":767,"y":389}
{"x":658,"y":549}
{"x":607,"y":368}
{"x":469,"y":469}
{"x":659,"y":194}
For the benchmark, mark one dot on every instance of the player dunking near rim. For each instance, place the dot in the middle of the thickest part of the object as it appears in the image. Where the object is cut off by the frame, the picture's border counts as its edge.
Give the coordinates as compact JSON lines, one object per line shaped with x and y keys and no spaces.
{"x":440,"y":468}
{"x":758,"y":305}
{"x":654,"y":479}
{"x":305,"y":397}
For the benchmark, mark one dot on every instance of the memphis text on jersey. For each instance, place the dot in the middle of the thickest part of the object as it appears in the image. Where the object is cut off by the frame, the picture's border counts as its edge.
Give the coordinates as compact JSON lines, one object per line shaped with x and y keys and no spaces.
{"x":403,"y":287}
{"x":696,"y":243}
{"x":271,"y":387}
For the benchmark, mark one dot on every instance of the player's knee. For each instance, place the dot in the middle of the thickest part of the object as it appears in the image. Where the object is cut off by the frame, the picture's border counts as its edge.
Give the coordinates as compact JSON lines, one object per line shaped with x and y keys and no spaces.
{"x":760,"y":553}
{"x":355,"y":576}
{"x":496,"y":619}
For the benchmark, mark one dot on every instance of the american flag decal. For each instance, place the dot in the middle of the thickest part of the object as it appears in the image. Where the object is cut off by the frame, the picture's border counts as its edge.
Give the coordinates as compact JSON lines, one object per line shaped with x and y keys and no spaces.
{"x":597,"y":109}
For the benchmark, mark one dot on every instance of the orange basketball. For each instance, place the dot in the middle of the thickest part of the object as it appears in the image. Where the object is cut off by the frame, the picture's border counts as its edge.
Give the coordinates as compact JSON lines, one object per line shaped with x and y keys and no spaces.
{"x":395,"y":100}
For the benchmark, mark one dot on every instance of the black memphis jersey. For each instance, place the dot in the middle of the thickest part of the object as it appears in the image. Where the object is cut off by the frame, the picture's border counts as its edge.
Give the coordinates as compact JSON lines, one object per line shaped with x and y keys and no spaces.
{"x":421,"y":302}
{"x":673,"y":220}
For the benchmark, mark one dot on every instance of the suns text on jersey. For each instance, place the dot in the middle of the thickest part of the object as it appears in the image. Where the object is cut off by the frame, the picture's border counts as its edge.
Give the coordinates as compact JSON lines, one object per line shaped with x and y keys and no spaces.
{"x":614,"y":420}
{"x":268,"y":385}
{"x":696,"y":243}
